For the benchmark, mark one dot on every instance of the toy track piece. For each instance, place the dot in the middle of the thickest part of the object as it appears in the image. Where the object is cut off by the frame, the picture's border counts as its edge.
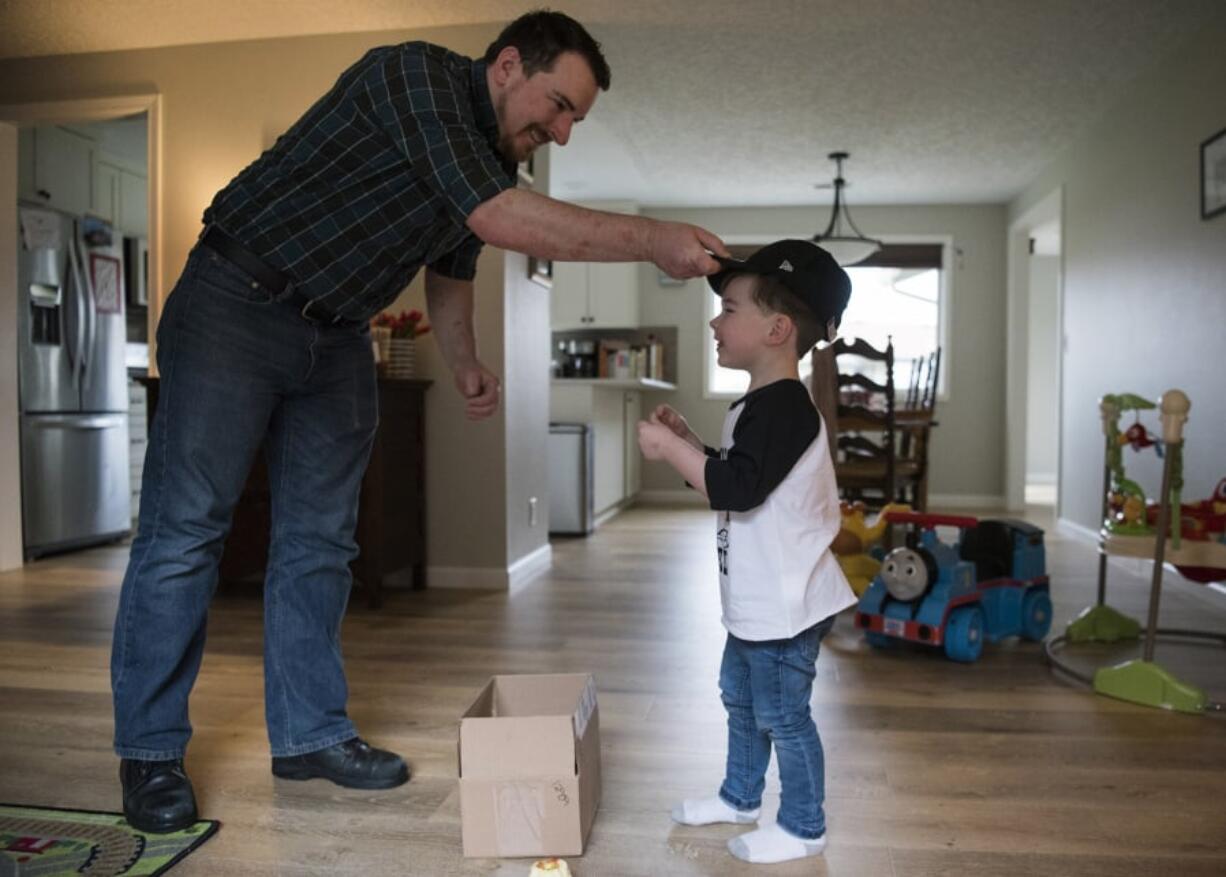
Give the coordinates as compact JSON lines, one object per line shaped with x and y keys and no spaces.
{"x":1054,"y":646}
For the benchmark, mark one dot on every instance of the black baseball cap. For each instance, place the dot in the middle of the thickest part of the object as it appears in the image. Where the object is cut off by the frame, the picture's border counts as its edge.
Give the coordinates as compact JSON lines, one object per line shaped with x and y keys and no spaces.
{"x":803,"y":267}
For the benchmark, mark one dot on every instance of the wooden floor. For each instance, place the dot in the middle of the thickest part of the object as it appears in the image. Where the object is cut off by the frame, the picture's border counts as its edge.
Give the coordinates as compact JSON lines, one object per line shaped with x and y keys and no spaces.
{"x":997,"y":768}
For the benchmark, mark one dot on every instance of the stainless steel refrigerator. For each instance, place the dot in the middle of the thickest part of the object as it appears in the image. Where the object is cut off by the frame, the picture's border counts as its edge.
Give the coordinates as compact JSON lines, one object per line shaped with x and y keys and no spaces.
{"x":74,"y":396}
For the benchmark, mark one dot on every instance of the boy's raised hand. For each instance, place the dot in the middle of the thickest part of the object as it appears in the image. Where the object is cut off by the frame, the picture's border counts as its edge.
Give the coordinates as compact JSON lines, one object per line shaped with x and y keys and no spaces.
{"x":670,"y":418}
{"x":653,"y":437}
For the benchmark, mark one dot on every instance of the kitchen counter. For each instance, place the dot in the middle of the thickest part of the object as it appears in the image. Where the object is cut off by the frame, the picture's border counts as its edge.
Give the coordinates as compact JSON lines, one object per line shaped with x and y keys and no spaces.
{"x":615,"y":383}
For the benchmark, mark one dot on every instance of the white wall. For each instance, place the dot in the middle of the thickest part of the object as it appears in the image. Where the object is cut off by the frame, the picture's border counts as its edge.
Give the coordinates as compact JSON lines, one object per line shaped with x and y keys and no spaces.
{"x":10,"y":433}
{"x":967,"y":447}
{"x":1144,"y":277}
{"x":526,"y":400}
{"x":1042,"y":391}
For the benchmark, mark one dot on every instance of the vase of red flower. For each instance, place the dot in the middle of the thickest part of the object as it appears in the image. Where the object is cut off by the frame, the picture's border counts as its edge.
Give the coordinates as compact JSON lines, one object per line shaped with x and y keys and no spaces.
{"x":400,"y":332}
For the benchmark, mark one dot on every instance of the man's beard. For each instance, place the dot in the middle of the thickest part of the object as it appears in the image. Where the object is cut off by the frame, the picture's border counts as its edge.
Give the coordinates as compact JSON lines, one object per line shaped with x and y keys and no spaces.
{"x":507,"y":147}
{"x":513,"y":146}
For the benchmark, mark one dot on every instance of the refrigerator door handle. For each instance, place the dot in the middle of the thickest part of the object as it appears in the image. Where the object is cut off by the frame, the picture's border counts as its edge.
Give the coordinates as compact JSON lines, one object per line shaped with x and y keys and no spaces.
{"x":81,"y":302}
{"x":70,"y":350}
{"x":74,"y":422}
{"x":90,"y":326}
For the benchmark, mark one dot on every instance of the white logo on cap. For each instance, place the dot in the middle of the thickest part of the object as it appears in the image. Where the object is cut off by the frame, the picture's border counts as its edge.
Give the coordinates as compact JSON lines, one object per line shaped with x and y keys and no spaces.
{"x":785,"y":266}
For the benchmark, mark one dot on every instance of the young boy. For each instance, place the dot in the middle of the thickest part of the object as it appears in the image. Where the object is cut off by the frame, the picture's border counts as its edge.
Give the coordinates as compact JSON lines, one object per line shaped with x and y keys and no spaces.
{"x":772,"y":484}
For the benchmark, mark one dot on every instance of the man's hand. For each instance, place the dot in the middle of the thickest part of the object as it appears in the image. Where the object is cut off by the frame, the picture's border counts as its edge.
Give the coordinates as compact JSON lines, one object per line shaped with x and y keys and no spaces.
{"x":671,"y":418}
{"x":681,"y":250}
{"x":480,"y":387}
{"x":653,"y":439}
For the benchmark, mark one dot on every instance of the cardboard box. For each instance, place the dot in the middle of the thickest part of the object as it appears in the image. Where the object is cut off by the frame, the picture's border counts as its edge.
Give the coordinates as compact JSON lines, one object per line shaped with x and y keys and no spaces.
{"x":530,"y":766}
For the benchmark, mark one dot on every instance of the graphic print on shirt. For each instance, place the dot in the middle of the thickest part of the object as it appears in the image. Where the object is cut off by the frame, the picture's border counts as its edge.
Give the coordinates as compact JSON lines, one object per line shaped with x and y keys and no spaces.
{"x":721,"y":549}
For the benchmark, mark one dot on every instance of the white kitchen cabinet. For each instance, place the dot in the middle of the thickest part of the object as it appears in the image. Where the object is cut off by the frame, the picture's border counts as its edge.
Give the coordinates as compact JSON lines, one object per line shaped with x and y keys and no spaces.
{"x":106,"y":192}
{"x":61,"y":174}
{"x":610,"y":452}
{"x":613,"y":294}
{"x":613,"y":412}
{"x":133,"y":205}
{"x":594,"y":295}
{"x":568,"y":296}
{"x":632,"y":413}
{"x":121,"y":196}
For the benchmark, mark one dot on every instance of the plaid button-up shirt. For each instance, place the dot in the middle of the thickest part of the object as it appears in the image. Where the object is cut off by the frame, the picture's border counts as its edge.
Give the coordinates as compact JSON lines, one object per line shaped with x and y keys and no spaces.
{"x":374,"y":181}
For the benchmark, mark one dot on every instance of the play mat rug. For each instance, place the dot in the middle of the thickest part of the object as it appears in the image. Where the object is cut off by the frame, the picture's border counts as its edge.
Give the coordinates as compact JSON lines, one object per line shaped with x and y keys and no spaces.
{"x":48,"y":842}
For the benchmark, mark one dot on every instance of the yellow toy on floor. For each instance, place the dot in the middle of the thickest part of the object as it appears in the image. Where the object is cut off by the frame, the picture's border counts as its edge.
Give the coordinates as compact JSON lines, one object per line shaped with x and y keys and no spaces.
{"x":550,"y":868}
{"x":855,"y":537}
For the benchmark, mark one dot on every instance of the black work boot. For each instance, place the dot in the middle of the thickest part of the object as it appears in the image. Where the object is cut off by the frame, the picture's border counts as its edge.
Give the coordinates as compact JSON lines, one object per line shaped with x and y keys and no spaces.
{"x":354,"y":764}
{"x":157,"y":795}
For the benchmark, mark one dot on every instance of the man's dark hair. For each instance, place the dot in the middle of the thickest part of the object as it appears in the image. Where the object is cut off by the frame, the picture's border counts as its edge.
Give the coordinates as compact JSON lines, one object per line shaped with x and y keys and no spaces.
{"x":542,"y":36}
{"x":770,"y":294}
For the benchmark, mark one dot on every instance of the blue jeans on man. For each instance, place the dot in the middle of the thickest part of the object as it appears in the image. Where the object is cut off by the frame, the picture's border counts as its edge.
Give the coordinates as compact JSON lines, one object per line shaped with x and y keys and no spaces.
{"x":240,"y":368}
{"x":766,"y":688}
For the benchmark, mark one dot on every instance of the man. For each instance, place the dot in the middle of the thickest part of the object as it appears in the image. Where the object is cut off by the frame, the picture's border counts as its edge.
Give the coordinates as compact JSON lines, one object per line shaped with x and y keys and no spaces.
{"x":408,"y":161}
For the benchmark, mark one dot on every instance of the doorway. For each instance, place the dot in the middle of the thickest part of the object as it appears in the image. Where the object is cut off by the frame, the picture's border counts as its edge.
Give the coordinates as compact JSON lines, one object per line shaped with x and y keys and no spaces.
{"x":1042,"y":366}
{"x":15,"y":119}
{"x":1035,"y":350}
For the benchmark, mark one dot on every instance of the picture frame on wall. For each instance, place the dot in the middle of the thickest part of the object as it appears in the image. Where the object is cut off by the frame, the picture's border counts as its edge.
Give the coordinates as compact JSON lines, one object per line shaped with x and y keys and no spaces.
{"x":1213,"y":175}
{"x":540,"y":271}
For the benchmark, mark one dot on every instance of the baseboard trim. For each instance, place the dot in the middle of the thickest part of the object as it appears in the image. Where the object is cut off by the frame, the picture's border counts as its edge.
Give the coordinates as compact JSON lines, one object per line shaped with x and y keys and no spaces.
{"x":476,"y":578}
{"x":1078,"y":531}
{"x":938,"y":501}
{"x":686,"y":497}
{"x":529,"y":567}
{"x":492,"y":578}
{"x":1141,"y":567}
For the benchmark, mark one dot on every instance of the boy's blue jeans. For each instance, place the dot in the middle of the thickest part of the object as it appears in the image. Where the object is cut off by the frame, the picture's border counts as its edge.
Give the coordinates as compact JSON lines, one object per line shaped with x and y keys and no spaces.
{"x":239,"y":368}
{"x":766,"y":687}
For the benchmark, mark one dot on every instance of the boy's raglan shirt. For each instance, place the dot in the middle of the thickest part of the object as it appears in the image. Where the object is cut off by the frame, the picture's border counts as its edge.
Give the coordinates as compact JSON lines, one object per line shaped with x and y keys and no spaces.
{"x":773,"y":487}
{"x":772,"y":430}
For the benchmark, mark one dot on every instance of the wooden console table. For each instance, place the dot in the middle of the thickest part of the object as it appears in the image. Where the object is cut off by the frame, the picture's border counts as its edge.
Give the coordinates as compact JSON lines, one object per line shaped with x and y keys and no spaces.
{"x":391,"y":531}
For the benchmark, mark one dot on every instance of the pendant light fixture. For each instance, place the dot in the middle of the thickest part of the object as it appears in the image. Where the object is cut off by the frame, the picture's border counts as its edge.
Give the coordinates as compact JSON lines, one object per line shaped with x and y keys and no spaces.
{"x":841,"y":238}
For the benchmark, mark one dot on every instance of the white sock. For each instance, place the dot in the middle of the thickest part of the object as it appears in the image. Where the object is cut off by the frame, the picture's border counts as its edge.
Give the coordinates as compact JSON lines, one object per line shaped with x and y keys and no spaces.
{"x":708,"y":811}
{"x":770,"y":844}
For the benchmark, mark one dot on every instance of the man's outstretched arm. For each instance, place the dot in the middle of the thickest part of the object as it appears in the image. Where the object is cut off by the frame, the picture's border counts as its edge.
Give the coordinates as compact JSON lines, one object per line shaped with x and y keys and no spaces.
{"x":544,"y":227}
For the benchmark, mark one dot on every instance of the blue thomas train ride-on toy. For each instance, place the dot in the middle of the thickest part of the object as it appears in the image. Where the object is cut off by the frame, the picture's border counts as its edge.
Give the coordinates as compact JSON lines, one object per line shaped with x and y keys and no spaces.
{"x":990,"y":584}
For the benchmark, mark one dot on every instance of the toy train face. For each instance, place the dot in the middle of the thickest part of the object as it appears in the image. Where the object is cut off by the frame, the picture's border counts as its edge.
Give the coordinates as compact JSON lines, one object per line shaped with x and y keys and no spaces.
{"x":990,"y":584}
{"x":908,"y":572}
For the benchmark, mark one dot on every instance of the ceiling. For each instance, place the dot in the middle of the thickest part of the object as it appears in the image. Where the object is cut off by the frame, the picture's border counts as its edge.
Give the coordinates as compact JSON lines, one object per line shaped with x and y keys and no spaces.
{"x":737,"y":102}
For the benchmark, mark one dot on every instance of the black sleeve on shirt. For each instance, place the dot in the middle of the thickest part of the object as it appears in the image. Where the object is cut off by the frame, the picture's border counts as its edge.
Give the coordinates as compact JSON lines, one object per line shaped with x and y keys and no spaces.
{"x":775,"y":428}
{"x":710,"y":452}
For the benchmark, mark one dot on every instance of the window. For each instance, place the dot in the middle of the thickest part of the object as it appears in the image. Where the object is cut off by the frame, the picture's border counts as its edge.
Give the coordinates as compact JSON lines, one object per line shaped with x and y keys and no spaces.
{"x":897,"y":294}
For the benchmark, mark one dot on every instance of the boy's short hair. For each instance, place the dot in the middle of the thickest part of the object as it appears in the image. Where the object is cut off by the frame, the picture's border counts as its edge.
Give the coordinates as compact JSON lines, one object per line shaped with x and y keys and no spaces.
{"x":771,"y":295}
{"x":798,"y":279}
{"x":542,"y":36}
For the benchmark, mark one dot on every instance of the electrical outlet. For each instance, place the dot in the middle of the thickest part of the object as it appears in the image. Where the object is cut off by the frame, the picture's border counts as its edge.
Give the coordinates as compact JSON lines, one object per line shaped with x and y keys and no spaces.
{"x":532,"y":511}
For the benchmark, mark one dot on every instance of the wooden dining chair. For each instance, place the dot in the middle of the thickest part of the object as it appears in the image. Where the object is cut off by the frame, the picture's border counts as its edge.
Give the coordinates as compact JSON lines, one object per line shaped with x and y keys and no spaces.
{"x":915,"y":423}
{"x":866,"y":463}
